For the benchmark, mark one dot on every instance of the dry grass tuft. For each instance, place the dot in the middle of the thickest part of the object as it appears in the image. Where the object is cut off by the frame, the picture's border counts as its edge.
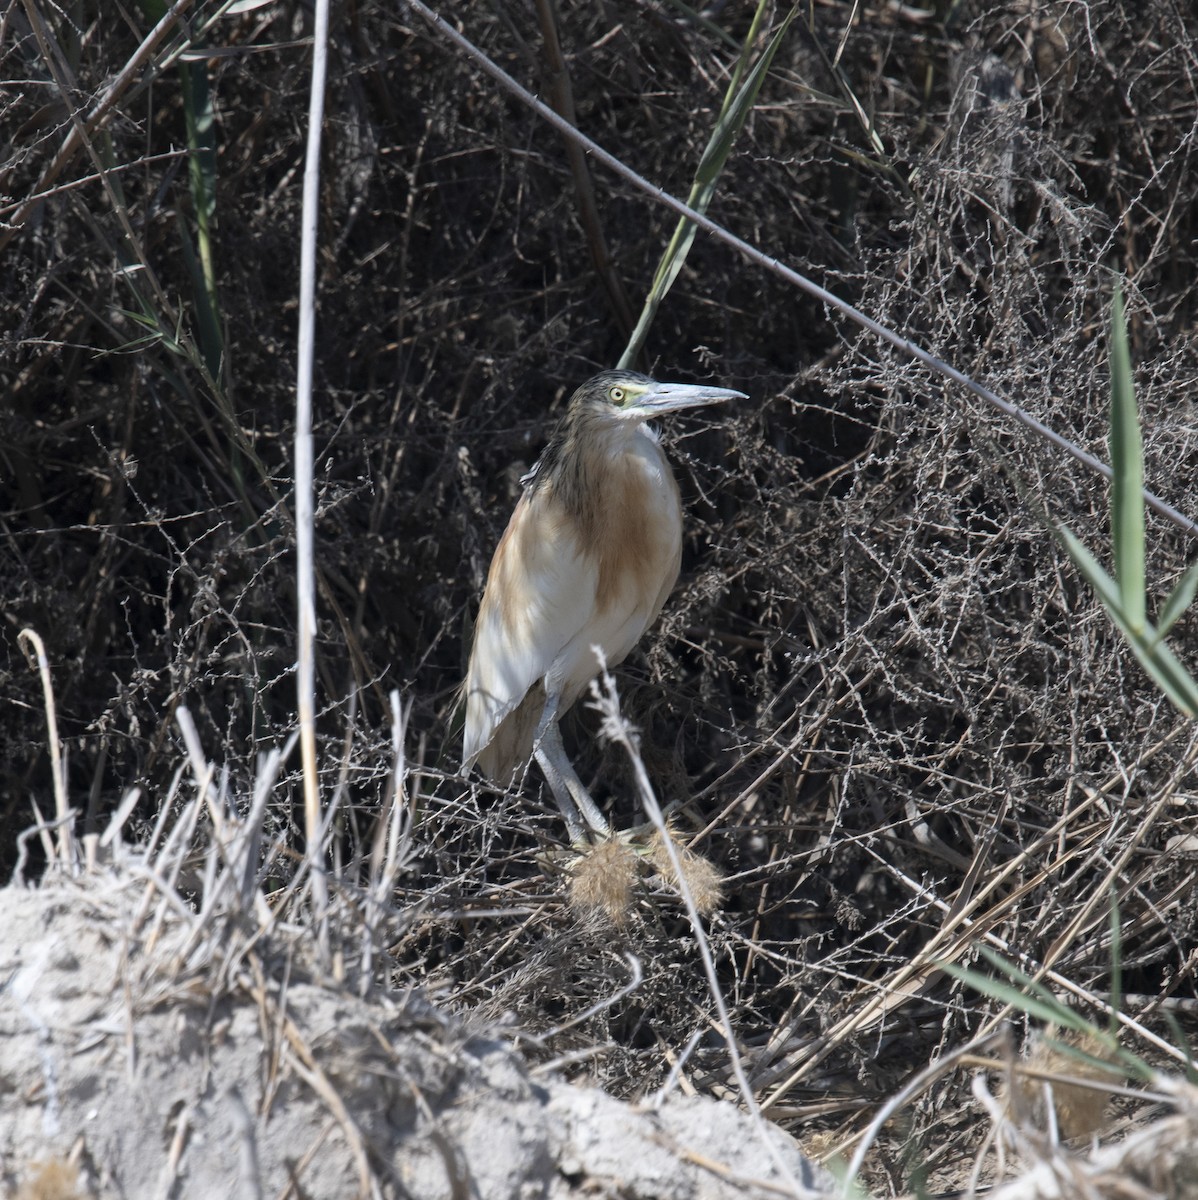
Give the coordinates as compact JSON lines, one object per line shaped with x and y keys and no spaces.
{"x":1080,"y":1111}
{"x":603,"y":878}
{"x":699,"y":874}
{"x":53,"y":1179}
{"x":1158,"y":1157}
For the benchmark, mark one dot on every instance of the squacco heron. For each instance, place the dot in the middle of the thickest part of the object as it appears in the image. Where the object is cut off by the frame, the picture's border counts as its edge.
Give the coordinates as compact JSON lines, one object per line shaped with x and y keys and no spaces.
{"x":588,"y":558}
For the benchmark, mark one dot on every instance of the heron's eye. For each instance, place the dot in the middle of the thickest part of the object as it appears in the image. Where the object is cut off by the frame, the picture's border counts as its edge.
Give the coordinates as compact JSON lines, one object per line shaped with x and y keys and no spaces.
{"x":617,"y":395}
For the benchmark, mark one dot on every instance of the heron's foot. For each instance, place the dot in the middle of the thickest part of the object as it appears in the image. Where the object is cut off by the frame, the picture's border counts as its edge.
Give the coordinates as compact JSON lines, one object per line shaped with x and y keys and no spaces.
{"x":640,"y":835}
{"x":584,"y":833}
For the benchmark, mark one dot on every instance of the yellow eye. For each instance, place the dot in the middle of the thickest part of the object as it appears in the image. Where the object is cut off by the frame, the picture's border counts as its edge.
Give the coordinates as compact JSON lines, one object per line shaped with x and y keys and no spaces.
{"x":617,"y":395}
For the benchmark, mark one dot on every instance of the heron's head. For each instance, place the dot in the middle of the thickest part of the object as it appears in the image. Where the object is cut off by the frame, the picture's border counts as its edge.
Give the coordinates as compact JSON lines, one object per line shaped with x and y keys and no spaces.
{"x":628,"y":396}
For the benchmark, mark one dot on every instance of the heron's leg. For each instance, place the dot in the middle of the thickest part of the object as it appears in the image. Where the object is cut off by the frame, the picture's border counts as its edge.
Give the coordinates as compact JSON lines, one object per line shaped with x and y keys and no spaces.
{"x":561,"y":794}
{"x":568,"y":790}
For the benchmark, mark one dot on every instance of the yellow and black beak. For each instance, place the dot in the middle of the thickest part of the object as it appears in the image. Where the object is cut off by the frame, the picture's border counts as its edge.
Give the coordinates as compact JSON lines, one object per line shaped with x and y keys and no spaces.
{"x":658,"y":398}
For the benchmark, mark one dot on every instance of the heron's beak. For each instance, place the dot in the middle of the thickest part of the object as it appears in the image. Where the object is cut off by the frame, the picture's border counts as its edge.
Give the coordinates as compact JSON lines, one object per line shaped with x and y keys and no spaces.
{"x":667,"y":397}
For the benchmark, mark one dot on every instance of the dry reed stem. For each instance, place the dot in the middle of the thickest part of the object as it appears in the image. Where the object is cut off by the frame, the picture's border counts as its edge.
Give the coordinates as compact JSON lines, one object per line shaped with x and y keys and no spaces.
{"x":305,"y":585}
{"x":616,"y":729}
{"x":31,"y":641}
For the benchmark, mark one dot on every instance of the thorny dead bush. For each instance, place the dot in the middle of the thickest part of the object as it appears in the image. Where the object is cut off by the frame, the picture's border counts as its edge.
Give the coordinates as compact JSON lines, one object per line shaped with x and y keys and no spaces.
{"x":878,"y":668}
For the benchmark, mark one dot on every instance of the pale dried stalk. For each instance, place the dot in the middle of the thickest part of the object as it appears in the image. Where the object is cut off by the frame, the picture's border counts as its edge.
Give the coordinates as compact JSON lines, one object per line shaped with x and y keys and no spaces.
{"x":304,"y":512}
{"x":32,"y":643}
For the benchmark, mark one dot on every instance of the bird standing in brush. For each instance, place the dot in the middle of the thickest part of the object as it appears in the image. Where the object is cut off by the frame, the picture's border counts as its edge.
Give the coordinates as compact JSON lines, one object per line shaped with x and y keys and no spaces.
{"x":588,"y":558}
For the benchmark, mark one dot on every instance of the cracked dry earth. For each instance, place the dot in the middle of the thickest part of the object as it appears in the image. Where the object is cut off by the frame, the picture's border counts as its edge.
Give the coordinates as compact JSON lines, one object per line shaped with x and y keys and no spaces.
{"x":141,"y":1055}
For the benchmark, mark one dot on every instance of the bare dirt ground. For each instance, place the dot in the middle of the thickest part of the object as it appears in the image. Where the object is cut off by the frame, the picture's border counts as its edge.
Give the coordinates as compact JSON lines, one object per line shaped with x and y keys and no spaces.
{"x":139,"y":1058}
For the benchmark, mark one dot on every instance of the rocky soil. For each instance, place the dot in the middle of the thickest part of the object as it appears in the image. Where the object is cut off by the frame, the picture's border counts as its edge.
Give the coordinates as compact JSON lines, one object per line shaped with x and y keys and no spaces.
{"x":144,"y":1054}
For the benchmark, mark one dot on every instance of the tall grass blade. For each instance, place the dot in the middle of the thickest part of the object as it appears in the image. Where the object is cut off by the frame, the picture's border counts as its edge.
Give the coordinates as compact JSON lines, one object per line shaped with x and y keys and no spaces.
{"x":738,"y":102}
{"x":1125,"y":595}
{"x":201,"y":175}
{"x":1180,"y":598}
{"x":1127,"y":483}
{"x":1169,"y":673}
{"x":1018,"y":991}
{"x":201,"y":141}
{"x":1166,"y":670}
{"x":1024,"y":994}
{"x":1105,"y":587}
